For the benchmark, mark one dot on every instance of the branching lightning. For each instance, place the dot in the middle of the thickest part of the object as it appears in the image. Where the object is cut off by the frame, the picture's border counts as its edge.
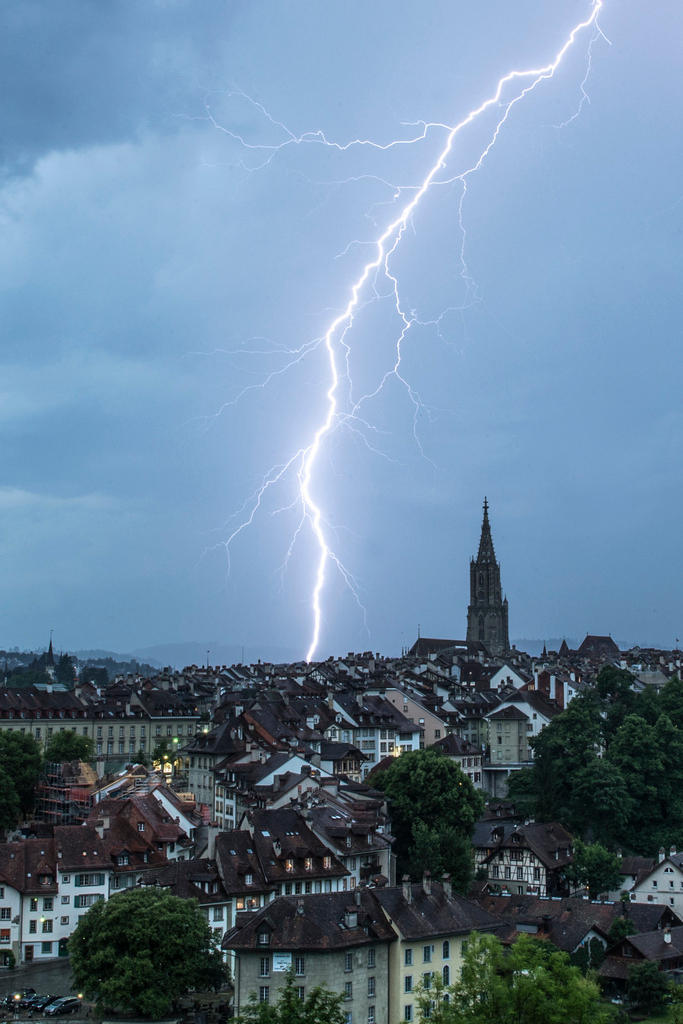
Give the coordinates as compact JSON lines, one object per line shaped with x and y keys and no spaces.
{"x":335,"y":341}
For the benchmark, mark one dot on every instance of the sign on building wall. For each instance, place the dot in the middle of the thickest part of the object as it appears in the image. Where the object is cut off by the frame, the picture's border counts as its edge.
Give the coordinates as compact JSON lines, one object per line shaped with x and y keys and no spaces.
{"x":282,"y":961}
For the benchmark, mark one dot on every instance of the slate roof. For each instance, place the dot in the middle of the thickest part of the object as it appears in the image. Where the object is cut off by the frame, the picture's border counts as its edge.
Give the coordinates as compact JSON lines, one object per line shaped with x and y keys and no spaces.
{"x":312,"y":923}
{"x":428,"y":915}
{"x":566,"y":922}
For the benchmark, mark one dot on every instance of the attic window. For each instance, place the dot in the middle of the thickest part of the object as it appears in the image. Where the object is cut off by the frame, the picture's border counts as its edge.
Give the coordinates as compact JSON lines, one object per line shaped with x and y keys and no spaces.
{"x":249,"y":879}
{"x":141,"y":826}
{"x":265,"y":832}
{"x":308,"y":863}
{"x":263,"y":938}
{"x":289,"y":864}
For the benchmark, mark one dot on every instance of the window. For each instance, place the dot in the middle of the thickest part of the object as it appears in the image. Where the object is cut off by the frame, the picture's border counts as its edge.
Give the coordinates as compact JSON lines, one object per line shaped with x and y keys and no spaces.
{"x":507,"y":872}
{"x":299,"y":965}
{"x":408,"y":983}
{"x":327,"y":863}
{"x":5,"y":935}
{"x":426,"y":980}
{"x":537,"y":874}
{"x":263,"y":994}
{"x":446,"y":950}
{"x":427,"y":954}
{"x":654,"y":883}
{"x":520,"y":874}
{"x":48,"y":903}
{"x":5,"y":913}
{"x":348,"y":990}
{"x":265,"y":967}
{"x":249,"y":879}
{"x":408,"y":1011}
{"x":348,"y":961}
{"x":89,"y":879}
{"x":141,"y":826}
{"x":64,"y":920}
{"x":46,"y":947}
{"x":47,"y":926}
{"x":348,"y":1018}
{"x":408,"y":957}
{"x":301,"y":992}
{"x":263,"y":938}
{"x":371,"y":988}
{"x":32,"y":927}
{"x":66,"y":878}
{"x":308,"y":864}
{"x":218,"y":913}
{"x":371,"y":956}
{"x":371,"y":1014}
{"x":446,"y":975}
{"x":87,"y":899}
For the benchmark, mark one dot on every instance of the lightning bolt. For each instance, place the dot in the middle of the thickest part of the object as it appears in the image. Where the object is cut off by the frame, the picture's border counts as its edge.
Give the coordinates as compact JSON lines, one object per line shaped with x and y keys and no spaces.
{"x":334,"y":341}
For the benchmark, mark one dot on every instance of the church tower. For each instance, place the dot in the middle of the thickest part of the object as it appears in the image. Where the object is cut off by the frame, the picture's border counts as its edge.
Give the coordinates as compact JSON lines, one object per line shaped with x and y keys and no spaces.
{"x":487,"y":614}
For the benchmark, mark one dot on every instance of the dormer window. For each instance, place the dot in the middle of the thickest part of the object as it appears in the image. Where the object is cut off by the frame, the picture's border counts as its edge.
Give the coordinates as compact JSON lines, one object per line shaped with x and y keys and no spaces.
{"x":289,"y":864}
{"x":263,"y":938}
{"x":327,"y":863}
{"x":308,"y":863}
{"x":141,"y":826}
{"x":249,"y":879}
{"x":122,"y":859}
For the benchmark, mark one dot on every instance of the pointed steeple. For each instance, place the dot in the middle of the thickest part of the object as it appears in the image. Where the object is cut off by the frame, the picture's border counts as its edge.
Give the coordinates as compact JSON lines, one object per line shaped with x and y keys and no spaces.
{"x":486,"y":552}
{"x":50,"y":659}
{"x":487,"y":614}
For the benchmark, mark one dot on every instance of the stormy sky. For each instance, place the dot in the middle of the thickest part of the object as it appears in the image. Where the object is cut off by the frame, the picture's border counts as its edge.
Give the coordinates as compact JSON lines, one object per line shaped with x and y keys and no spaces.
{"x":166,"y":264}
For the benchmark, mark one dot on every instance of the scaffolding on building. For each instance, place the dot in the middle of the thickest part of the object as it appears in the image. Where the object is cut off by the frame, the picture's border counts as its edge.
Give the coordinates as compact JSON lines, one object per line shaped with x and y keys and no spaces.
{"x":64,"y":795}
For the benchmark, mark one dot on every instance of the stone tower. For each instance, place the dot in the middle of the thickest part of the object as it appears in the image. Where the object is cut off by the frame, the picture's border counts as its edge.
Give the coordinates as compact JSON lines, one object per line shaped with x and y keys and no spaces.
{"x":487,"y":614}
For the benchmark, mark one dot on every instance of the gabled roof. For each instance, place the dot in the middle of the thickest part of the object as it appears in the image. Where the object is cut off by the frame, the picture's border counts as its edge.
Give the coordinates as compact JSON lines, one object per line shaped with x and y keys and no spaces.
{"x":325,"y":921}
{"x":430,"y":915}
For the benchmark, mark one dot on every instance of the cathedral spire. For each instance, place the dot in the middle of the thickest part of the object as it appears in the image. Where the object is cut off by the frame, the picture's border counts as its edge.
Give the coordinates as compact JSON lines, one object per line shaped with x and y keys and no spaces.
{"x":486,"y":552}
{"x":487,"y":614}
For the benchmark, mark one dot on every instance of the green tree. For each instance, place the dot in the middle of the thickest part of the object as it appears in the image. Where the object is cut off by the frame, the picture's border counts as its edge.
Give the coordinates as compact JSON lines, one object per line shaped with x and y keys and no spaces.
{"x":600,"y":805}
{"x":522,"y":791}
{"x":595,"y":867}
{"x":9,"y":801}
{"x":636,"y":753}
{"x":533,"y":984}
{"x":646,"y":988}
{"x":319,"y":1007}
{"x":621,"y":927}
{"x":68,"y":746}
{"x":21,"y":759}
{"x":433,"y":807}
{"x":561,"y":749}
{"x":141,"y":950}
{"x":65,"y":671}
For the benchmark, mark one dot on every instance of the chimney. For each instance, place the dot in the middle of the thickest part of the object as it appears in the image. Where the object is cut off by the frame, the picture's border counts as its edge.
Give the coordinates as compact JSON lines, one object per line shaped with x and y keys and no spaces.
{"x":447,"y":887}
{"x":407,"y":889}
{"x":356,"y":897}
{"x":662,"y":854}
{"x":672,"y":851}
{"x":427,"y":883}
{"x":667,"y":935}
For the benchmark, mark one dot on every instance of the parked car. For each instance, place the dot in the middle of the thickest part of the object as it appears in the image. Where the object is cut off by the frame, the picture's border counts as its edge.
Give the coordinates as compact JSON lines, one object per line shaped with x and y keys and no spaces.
{"x":39,"y":1003}
{"x":69,"y":1004}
